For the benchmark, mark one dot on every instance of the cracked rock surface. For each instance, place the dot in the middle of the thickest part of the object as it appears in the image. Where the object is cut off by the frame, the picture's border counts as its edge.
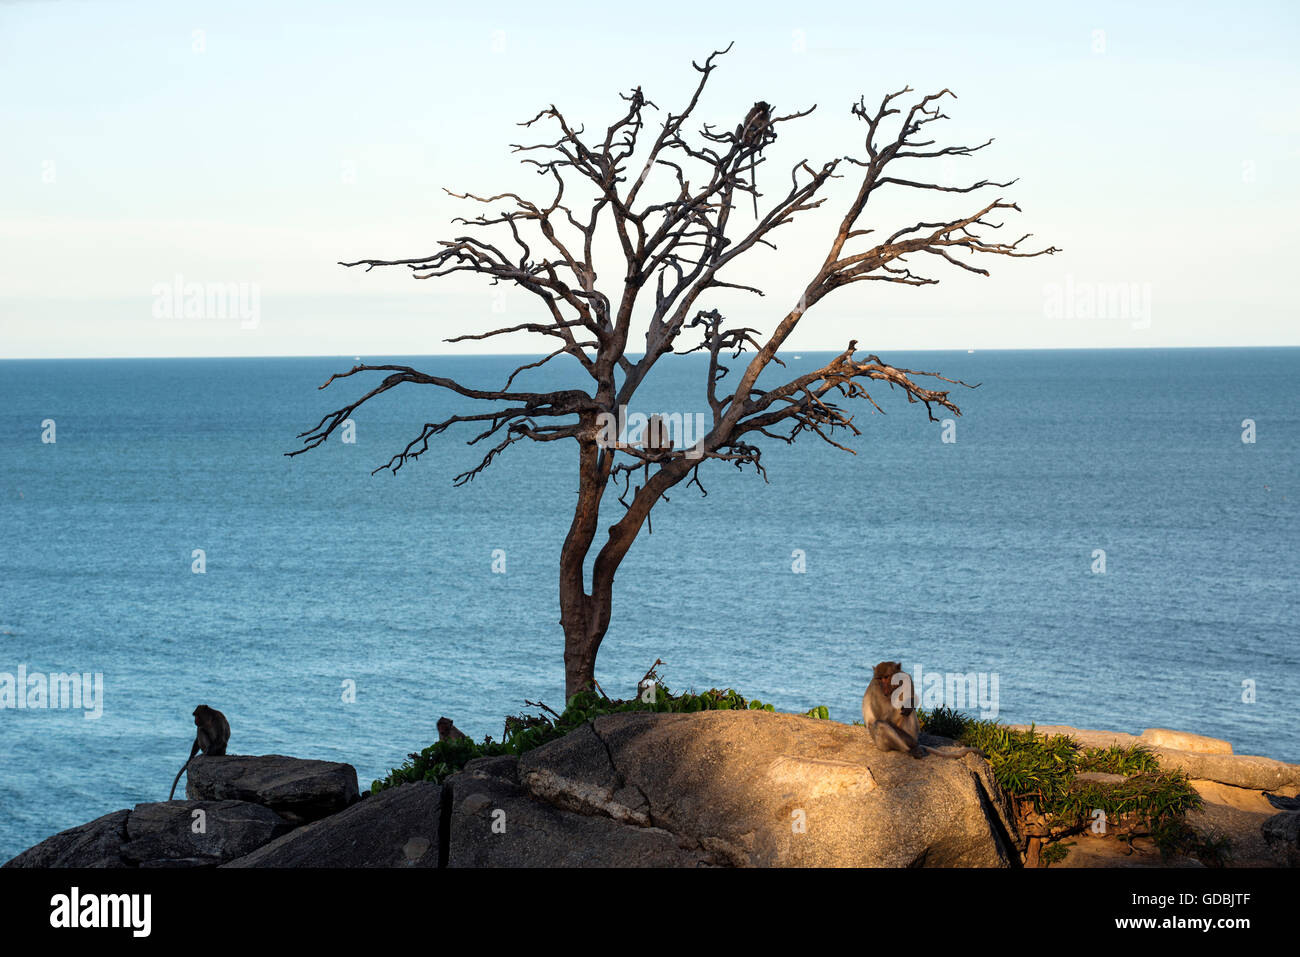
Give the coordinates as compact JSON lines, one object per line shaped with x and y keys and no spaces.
{"x":395,"y":828}
{"x":160,"y":834}
{"x":298,"y":789}
{"x":730,"y":788}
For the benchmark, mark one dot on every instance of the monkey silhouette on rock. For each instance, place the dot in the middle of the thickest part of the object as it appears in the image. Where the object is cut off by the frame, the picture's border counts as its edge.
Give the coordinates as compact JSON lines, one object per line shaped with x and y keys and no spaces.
{"x":211,"y":738}
{"x":889,"y":712}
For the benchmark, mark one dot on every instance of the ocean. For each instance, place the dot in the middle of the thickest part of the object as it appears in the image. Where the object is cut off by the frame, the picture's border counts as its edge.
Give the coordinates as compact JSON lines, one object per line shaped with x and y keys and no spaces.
{"x":1096,"y":535}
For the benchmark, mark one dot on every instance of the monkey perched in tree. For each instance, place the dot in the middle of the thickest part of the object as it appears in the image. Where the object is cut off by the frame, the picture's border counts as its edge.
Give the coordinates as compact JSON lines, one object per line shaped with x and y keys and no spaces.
{"x":211,"y":738}
{"x":753,"y":130}
{"x":753,"y":134}
{"x":657,"y":437}
{"x":447,"y":731}
{"x":889,"y":711}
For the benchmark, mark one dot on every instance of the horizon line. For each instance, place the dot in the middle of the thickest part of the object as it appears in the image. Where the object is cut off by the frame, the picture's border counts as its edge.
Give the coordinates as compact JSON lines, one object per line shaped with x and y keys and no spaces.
{"x":787,"y":353}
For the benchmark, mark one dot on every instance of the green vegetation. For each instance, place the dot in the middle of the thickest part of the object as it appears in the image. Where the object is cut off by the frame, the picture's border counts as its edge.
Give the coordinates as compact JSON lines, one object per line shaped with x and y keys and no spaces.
{"x":1056,"y":852}
{"x":526,"y":732}
{"x":943,"y":721}
{"x":1041,"y":773}
{"x":1117,"y":760}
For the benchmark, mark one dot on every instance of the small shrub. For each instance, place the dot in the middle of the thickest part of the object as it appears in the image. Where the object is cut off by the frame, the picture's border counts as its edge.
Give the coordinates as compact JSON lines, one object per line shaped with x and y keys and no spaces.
{"x":1055,"y":852}
{"x":943,"y":722}
{"x":1135,"y":759}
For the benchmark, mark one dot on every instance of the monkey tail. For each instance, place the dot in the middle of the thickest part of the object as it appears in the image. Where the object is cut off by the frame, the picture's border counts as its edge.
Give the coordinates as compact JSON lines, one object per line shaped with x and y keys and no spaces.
{"x":178,"y":777}
{"x":952,"y":752}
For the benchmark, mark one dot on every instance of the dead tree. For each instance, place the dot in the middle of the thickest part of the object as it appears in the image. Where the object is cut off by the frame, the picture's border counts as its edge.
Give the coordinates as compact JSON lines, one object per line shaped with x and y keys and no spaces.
{"x":677,"y":247}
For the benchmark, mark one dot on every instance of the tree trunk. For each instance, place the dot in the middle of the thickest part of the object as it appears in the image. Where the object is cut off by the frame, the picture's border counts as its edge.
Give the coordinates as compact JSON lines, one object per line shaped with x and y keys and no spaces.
{"x":585,"y":617}
{"x":579,"y":660}
{"x":576,"y":618}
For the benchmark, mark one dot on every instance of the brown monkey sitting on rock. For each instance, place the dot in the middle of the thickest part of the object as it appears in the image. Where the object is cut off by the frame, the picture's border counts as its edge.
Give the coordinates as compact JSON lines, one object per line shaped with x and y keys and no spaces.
{"x":889,"y":712}
{"x":447,"y":731}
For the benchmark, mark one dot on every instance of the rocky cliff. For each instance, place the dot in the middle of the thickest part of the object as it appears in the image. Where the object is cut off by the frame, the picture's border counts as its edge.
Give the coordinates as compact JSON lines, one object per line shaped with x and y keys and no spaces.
{"x":718,"y":788}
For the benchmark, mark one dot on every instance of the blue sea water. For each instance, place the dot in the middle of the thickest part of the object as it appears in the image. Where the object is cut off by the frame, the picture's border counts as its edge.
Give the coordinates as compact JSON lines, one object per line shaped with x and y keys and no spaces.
{"x":970,"y":556}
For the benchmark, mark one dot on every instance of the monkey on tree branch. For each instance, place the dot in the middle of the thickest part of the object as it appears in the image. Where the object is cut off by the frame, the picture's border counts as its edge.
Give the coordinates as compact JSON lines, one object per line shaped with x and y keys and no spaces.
{"x":677,"y":247}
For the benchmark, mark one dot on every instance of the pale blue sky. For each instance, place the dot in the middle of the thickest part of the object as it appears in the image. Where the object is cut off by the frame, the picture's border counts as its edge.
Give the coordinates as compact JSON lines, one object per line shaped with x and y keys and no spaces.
{"x":1161,"y":153}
